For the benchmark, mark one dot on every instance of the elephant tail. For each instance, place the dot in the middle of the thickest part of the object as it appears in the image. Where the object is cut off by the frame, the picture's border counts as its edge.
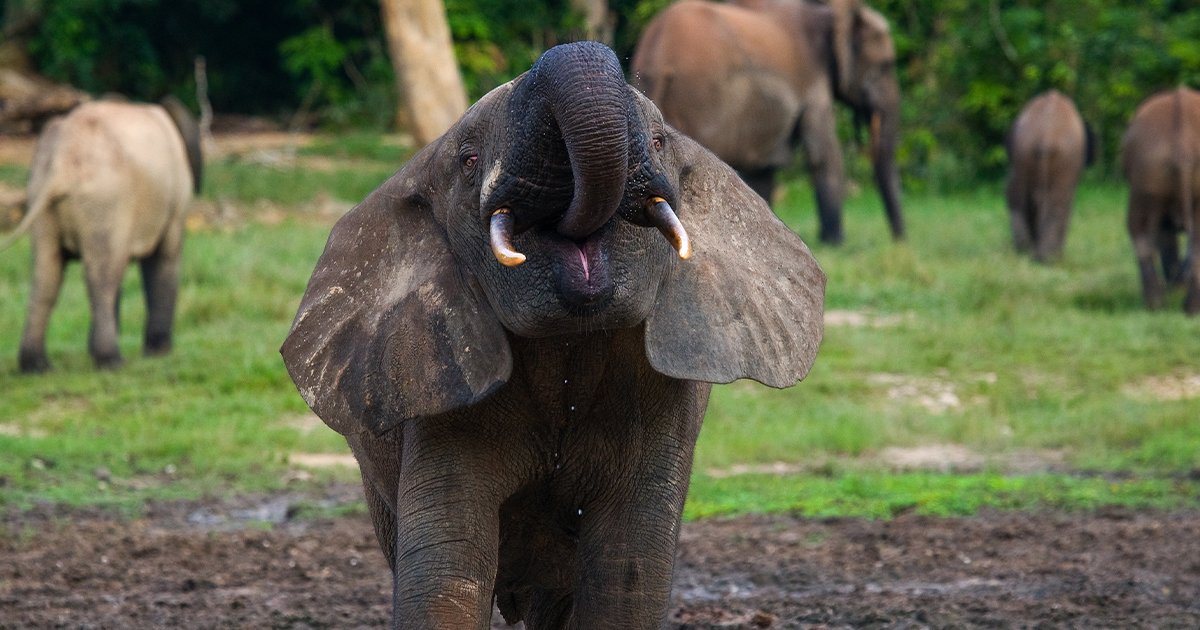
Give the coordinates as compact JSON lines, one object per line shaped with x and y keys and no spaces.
{"x":34,"y":207}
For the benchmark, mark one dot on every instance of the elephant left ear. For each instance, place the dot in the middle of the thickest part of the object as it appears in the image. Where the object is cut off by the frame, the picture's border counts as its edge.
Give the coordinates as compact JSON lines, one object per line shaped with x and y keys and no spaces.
{"x":389,"y":328}
{"x":749,"y":302}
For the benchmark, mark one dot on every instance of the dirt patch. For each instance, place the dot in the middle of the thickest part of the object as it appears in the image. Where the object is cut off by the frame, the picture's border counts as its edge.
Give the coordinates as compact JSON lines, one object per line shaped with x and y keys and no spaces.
{"x":937,"y":394}
{"x":271,"y":147}
{"x":323,"y":460}
{"x":225,"y":215}
{"x":861,"y":319}
{"x":17,"y":148}
{"x":189,"y":565}
{"x":1165,"y":388}
{"x":305,"y":423}
{"x":944,"y":458}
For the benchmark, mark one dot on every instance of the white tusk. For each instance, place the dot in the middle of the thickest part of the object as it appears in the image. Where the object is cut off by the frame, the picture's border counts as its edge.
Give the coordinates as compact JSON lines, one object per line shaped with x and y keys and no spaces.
{"x":664,"y":218}
{"x":501,"y":233}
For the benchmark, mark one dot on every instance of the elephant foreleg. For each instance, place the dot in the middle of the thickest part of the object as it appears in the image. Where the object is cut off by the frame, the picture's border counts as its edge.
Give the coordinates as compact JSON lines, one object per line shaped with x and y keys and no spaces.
{"x":160,"y":281}
{"x":625,"y":562}
{"x":824,"y":153}
{"x":627,"y":543}
{"x":48,"y":262}
{"x":447,"y":539}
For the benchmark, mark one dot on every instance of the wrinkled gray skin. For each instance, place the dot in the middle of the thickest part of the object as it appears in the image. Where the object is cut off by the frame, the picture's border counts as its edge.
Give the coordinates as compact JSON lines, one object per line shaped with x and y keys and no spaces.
{"x":752,"y":79}
{"x":1048,"y":147}
{"x":1160,"y":156}
{"x":525,"y":433}
{"x":110,"y":183}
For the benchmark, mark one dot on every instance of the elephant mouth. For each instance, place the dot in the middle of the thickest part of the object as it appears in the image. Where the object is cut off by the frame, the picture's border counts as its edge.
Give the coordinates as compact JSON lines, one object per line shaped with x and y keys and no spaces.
{"x":583,"y":271}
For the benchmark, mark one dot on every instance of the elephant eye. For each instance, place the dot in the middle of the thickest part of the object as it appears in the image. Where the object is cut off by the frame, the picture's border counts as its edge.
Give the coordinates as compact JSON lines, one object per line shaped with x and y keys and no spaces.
{"x":469,"y":162}
{"x":658,"y":143}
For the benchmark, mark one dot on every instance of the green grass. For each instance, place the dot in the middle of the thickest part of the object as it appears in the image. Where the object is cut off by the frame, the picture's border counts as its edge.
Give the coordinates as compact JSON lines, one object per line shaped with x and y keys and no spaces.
{"x":876,"y":495}
{"x":215,"y":410}
{"x":14,"y":175}
{"x":1038,"y":357}
{"x":247,"y":182}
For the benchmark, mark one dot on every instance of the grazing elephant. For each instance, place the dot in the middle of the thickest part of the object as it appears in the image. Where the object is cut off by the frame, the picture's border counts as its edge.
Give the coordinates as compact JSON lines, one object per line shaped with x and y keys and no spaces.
{"x":520,"y":362}
{"x":753,"y":79}
{"x":1048,"y":147}
{"x":110,"y":182}
{"x":1160,"y":156}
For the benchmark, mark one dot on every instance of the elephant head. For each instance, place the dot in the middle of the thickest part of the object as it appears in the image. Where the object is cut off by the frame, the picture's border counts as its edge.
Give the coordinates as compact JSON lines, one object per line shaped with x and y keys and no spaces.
{"x":864,"y":73}
{"x":543,"y":212}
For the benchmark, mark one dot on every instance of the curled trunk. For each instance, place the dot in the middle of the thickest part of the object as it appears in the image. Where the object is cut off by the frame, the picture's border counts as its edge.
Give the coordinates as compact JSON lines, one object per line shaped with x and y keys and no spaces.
{"x":573,"y":112}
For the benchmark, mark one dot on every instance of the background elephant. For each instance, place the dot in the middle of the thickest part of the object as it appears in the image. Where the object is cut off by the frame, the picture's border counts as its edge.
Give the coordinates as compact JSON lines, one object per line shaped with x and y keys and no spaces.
{"x":110,"y":182}
{"x":520,"y":362}
{"x":752,"y":80}
{"x":1048,"y":147}
{"x":1160,"y":156}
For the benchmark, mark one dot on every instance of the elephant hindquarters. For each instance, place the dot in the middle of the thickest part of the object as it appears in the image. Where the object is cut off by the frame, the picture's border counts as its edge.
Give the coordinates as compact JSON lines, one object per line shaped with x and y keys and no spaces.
{"x":1047,"y":150}
{"x":1057,"y":177}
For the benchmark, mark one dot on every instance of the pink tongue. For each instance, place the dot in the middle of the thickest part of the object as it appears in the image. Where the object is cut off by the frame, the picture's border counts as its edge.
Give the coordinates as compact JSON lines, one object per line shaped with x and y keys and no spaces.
{"x":587,"y":273}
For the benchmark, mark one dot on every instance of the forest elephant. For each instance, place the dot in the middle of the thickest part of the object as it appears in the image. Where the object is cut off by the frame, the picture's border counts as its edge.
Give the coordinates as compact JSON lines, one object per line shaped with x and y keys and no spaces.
{"x":1160,"y":156}
{"x":517,"y":334}
{"x":1048,"y":147}
{"x":753,"y":79}
{"x":110,"y":182}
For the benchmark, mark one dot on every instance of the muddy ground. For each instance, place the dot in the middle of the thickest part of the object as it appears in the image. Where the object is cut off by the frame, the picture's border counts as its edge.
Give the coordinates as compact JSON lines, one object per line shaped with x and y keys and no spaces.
{"x":217,"y":565}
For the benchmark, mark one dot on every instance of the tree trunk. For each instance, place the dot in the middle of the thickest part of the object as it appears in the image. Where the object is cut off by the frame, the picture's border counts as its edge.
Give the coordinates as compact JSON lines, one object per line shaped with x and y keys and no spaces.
{"x":599,"y":24}
{"x":427,"y":77}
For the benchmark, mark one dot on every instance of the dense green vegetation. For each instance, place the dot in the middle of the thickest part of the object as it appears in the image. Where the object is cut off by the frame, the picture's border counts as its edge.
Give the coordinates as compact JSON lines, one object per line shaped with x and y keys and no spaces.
{"x":950,"y":339}
{"x":966,"y":66}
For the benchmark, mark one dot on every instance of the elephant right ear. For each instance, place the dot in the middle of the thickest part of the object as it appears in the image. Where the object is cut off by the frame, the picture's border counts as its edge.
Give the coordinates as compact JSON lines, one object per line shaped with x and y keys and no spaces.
{"x":389,"y":328}
{"x":749,"y":302}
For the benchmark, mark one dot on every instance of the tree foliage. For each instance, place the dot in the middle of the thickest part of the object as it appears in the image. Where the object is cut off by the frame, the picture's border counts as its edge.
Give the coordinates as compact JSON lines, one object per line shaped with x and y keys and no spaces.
{"x":966,"y":66}
{"x":263,"y":56}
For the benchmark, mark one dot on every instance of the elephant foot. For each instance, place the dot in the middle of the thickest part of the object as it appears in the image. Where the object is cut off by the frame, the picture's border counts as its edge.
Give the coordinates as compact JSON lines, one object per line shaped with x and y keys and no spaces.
{"x":1048,"y":259}
{"x":33,"y":362}
{"x":109,"y":362}
{"x":832,"y":238}
{"x":157,"y":346}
